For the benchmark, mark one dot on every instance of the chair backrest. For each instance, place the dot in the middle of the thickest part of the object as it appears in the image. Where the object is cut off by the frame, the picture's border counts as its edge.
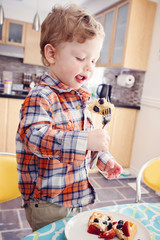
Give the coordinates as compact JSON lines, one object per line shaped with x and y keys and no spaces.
{"x":8,"y":177}
{"x":151,"y":175}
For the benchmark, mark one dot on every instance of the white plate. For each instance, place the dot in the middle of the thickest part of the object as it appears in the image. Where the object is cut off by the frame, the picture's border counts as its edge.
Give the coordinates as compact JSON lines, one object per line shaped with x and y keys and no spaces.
{"x":77,"y":226}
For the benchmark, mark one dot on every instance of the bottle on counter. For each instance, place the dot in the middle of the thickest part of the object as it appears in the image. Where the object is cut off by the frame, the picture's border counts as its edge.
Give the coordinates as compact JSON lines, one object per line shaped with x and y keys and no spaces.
{"x":7,"y":80}
{"x":27,"y":80}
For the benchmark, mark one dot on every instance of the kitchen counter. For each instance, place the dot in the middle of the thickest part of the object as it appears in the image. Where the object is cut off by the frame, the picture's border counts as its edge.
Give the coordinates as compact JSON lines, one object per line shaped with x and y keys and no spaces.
{"x":23,"y":96}
{"x":120,"y":105}
{"x":16,"y":96}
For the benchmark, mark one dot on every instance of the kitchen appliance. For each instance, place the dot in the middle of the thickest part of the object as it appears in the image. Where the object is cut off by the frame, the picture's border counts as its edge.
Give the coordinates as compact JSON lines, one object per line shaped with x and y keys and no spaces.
{"x":104,"y":91}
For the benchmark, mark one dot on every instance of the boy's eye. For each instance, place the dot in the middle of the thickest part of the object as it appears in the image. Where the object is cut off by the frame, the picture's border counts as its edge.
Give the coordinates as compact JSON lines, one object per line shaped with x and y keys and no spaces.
{"x":80,"y":59}
{"x":94,"y":62}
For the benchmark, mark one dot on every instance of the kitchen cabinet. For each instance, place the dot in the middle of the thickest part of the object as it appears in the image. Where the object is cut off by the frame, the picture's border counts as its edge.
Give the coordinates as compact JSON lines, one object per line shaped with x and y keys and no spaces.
{"x":111,"y":45}
{"x":122,"y":136}
{"x":9,"y":121}
{"x":121,"y":130}
{"x":19,"y":33}
{"x":32,"y":48}
{"x":128,"y":34}
{"x":14,"y":106}
{"x":2,"y":33}
{"x":3,"y":123}
{"x":12,"y":32}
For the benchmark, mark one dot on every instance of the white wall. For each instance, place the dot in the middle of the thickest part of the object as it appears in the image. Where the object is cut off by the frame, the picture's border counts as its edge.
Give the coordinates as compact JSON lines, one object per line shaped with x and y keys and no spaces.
{"x":26,"y":9}
{"x":96,"y":6}
{"x":147,"y":135}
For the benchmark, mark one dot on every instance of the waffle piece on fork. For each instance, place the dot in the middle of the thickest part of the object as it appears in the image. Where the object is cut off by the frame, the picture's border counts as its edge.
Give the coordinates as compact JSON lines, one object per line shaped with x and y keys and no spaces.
{"x":103,"y":107}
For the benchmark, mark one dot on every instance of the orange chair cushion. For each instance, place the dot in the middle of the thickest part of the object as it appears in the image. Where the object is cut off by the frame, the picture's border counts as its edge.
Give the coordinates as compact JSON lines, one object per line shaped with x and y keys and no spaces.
{"x":151,"y":175}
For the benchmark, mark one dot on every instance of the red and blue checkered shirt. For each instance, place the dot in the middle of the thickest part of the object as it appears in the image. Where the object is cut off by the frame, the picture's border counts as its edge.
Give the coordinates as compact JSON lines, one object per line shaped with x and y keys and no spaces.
{"x":51,"y":141}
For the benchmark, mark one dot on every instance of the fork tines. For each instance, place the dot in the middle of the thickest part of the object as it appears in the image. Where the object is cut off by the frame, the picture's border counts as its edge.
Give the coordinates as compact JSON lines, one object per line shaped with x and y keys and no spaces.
{"x":107,"y":117}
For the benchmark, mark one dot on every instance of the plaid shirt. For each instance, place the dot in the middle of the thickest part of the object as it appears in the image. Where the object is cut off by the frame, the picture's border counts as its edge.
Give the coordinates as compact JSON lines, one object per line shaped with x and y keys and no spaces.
{"x":51,"y":143}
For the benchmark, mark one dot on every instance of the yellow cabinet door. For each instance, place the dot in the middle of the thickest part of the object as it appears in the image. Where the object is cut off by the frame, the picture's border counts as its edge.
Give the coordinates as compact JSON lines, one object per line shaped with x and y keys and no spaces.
{"x":139,"y":34}
{"x":122,"y":137}
{"x":14,"y":106}
{"x":3,"y":123}
{"x":32,"y":48}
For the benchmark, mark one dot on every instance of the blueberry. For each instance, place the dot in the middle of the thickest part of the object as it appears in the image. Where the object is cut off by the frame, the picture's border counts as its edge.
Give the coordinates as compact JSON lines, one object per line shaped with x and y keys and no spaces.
{"x":109,"y":225}
{"x":105,"y":222}
{"x":96,"y":220}
{"x":119,"y":226}
{"x":120,"y":222}
{"x":108,"y":218}
{"x":96,"y":109}
{"x":101,"y":101}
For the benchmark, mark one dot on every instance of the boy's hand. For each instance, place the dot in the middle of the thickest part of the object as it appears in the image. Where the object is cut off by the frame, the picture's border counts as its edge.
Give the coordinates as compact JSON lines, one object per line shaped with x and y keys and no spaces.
{"x":113,"y":169}
{"x":98,"y":140}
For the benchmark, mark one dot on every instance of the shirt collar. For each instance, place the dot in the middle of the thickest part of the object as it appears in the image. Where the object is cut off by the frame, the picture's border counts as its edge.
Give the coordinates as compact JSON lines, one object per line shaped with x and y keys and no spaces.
{"x":61,"y":87}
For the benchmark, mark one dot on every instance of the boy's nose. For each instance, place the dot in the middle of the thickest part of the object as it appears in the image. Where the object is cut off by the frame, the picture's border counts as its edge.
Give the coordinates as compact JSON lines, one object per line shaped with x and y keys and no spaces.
{"x":88,"y":67}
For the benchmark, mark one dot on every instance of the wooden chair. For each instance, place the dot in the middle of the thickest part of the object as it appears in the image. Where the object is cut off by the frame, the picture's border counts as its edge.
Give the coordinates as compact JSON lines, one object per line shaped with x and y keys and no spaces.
{"x":150,"y":173}
{"x":8,"y":177}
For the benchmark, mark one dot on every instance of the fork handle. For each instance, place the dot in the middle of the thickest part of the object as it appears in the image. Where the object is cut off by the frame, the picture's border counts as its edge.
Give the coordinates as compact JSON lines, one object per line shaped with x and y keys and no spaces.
{"x":105,"y":121}
{"x":95,"y":155}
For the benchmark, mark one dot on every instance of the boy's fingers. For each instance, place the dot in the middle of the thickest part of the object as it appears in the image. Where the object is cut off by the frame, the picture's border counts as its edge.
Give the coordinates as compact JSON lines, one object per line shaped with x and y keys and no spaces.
{"x":110,"y":163}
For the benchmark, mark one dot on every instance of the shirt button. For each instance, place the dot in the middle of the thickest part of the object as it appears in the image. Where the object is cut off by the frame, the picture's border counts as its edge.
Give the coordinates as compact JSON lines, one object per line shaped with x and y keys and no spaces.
{"x":78,"y":107}
{"x":72,"y":92}
{"x":69,"y":123}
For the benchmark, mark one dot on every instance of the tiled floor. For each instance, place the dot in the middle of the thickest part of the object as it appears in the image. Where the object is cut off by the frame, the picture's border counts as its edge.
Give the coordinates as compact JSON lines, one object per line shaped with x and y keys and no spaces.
{"x":14,"y":226}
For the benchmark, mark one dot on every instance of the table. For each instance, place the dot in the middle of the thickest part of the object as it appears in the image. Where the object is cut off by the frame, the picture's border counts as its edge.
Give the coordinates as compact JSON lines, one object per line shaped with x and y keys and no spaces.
{"x":147,"y":213}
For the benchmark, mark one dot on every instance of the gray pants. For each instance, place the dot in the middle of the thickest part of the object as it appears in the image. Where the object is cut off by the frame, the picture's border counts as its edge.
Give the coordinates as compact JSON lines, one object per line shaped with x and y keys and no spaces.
{"x":41,"y":213}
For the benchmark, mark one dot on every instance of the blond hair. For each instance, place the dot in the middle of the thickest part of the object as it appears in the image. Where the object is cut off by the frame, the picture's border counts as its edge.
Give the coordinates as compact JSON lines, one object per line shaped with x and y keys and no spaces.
{"x":65,"y":24}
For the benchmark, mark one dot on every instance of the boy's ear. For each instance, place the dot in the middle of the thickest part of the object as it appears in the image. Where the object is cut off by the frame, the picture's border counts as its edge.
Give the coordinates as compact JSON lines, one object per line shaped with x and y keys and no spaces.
{"x":49,"y":52}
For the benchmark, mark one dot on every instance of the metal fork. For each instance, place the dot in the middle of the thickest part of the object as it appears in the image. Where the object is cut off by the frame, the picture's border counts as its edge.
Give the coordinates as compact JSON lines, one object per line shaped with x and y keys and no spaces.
{"x":106,"y":119}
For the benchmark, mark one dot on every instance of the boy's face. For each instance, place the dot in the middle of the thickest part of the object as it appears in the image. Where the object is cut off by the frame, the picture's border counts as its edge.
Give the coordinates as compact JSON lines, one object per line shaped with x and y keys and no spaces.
{"x":75,"y":62}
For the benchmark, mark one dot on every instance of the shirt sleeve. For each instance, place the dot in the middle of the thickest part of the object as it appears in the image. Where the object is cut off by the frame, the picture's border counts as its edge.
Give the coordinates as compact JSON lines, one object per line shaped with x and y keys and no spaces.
{"x":39,"y":135}
{"x":103,"y":158}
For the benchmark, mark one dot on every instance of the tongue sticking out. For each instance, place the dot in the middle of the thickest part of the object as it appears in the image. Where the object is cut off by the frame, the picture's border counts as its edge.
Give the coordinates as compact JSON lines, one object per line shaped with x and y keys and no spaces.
{"x":80,"y":78}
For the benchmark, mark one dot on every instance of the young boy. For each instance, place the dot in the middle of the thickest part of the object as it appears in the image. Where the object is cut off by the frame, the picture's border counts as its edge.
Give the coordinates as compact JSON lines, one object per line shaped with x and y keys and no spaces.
{"x":55,"y":140}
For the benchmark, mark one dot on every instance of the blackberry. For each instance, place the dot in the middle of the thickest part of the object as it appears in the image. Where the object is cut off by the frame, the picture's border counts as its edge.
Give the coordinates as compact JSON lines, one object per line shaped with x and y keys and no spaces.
{"x":105,"y":222}
{"x":120,"y":222}
{"x":96,"y":109}
{"x":119,"y":226}
{"x":110,"y":225}
{"x":96,"y":220}
{"x":101,"y":101}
